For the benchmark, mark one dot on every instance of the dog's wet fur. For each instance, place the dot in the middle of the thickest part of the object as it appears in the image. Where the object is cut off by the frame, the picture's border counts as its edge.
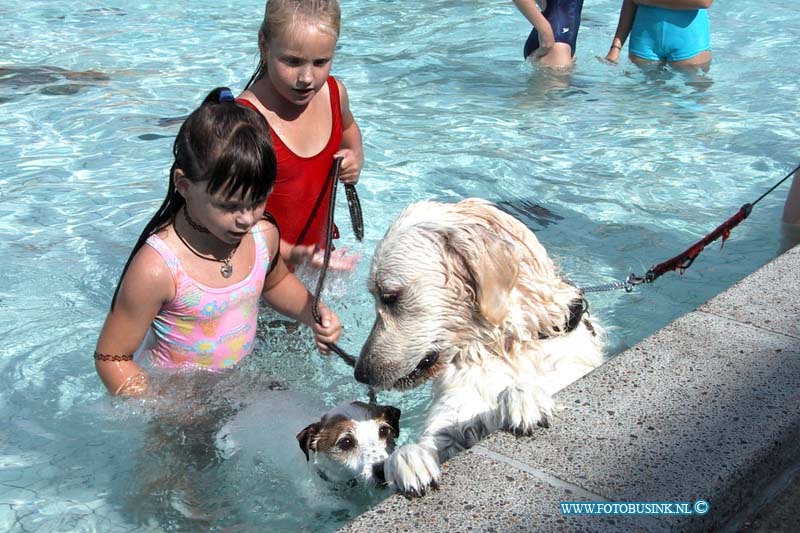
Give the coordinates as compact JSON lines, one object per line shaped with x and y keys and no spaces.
{"x":466,"y":296}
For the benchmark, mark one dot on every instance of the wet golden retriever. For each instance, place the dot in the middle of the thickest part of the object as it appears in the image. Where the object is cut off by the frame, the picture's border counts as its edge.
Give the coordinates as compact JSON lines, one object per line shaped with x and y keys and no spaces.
{"x":465,"y":295}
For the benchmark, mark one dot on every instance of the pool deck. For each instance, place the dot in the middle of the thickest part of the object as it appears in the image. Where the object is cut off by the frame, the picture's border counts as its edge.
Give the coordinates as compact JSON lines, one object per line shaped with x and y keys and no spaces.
{"x":706,"y":408}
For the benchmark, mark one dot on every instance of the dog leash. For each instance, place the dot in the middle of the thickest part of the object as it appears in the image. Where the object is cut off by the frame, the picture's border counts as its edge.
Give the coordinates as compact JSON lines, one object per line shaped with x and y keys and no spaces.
{"x":684,"y":260}
{"x":357,"y":223}
{"x":354,"y":206}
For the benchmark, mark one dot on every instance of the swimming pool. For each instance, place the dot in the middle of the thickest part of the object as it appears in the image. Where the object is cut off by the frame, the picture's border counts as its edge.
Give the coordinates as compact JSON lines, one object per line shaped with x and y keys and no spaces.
{"x":620,"y":170}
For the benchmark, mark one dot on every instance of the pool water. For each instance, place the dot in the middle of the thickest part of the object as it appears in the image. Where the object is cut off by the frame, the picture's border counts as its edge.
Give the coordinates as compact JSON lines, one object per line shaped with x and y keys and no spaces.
{"x":614,"y":168}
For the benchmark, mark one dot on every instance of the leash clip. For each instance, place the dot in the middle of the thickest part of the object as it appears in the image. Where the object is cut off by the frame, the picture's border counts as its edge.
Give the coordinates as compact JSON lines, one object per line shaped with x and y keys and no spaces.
{"x":632,"y":280}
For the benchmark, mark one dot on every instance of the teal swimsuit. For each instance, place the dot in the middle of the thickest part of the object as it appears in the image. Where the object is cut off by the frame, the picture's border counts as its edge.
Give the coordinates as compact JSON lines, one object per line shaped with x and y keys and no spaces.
{"x":660,"y":34}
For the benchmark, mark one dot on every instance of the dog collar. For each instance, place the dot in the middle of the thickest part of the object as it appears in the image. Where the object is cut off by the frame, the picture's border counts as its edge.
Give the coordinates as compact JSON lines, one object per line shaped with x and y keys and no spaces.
{"x":577,"y":309}
{"x":339,"y":485}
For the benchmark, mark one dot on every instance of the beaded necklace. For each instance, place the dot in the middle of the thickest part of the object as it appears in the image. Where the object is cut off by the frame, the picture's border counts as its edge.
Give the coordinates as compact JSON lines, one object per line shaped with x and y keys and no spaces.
{"x":227,"y":267}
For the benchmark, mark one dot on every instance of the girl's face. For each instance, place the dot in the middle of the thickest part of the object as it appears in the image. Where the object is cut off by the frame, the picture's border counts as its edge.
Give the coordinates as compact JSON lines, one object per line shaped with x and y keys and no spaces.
{"x":298,"y":61}
{"x":228,"y":218}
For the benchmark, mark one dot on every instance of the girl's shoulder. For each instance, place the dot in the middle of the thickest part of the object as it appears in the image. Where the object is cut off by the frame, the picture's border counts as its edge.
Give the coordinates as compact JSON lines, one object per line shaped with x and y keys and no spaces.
{"x":268,"y":227}
{"x":340,"y":88}
{"x":344,"y":98}
{"x":272,"y":236}
{"x":248,"y":99}
{"x":150,"y":274}
{"x":267,"y":224}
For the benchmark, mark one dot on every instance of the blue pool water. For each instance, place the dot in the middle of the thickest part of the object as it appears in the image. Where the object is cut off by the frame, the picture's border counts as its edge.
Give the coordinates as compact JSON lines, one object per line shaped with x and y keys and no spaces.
{"x":619,"y":170}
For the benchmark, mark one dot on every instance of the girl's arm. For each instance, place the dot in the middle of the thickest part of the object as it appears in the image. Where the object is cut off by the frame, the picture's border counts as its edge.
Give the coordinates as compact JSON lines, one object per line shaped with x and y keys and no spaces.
{"x":352,"y":149}
{"x":676,"y":4}
{"x":288,"y":296}
{"x":626,"y":16}
{"x":146,"y":286}
{"x":530,"y":10}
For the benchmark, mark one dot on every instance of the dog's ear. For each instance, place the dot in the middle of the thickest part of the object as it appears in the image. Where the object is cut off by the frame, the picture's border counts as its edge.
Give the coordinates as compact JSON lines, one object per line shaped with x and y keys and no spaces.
{"x":306,"y":437}
{"x":493,"y":264}
{"x":392,"y":415}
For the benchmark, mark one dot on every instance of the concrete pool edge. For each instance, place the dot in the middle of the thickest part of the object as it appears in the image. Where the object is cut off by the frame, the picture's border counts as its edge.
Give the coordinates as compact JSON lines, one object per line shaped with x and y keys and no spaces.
{"x":704,"y":409}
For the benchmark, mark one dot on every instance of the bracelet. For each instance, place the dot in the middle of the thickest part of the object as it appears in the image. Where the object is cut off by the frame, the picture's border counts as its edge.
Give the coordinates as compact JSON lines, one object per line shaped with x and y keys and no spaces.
{"x":116,"y":358}
{"x":615,"y":46}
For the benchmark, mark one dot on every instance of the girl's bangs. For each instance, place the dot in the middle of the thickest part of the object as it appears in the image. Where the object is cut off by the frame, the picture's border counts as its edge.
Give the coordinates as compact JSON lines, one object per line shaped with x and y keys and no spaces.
{"x":241,"y":172}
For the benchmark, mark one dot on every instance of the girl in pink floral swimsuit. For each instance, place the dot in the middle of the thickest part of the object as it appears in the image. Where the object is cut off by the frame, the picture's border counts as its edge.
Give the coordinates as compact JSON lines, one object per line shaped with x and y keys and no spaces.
{"x":199,"y":268}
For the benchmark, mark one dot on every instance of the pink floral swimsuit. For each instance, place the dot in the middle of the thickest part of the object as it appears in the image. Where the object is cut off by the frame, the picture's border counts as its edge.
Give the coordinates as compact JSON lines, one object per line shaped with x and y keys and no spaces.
{"x":204,"y":326}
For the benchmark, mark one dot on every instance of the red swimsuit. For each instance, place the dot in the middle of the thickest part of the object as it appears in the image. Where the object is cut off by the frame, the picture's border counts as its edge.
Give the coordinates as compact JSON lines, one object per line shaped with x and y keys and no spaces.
{"x":299,"y":201}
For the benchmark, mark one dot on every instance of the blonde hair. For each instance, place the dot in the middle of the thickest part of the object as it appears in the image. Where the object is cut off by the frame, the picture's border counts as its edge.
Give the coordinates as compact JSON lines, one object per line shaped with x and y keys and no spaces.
{"x":282,"y":14}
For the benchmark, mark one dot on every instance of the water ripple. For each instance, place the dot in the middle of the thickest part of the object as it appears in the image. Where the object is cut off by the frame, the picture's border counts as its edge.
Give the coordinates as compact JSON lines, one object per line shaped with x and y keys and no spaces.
{"x":615,"y":169}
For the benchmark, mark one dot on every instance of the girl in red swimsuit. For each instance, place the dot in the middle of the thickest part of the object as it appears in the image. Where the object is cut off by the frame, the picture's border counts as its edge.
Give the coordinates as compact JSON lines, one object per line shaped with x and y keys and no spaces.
{"x":309,"y":114}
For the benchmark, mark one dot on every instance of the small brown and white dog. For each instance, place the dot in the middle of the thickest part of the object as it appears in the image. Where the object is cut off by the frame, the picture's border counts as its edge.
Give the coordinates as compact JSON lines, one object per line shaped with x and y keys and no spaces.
{"x":351,"y":442}
{"x":465,"y":295}
{"x":347,"y":447}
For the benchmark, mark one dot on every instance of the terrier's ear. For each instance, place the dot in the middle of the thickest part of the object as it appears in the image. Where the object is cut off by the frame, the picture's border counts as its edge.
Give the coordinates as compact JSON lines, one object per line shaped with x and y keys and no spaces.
{"x":306,"y":438}
{"x":493,"y":264}
{"x":392,"y":415}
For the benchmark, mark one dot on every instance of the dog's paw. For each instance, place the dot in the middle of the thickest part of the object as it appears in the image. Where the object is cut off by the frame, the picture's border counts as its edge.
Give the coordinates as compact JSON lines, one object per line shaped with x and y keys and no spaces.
{"x":412,"y":469}
{"x":525,"y":406}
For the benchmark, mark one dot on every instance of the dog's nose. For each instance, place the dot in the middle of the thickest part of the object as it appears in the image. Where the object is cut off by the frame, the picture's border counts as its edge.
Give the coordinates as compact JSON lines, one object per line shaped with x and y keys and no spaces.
{"x":361,"y":374}
{"x":377,"y":473}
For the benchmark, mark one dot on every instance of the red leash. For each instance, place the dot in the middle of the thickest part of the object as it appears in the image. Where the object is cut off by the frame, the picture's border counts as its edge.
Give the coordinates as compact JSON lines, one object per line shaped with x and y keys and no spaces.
{"x":685,"y":259}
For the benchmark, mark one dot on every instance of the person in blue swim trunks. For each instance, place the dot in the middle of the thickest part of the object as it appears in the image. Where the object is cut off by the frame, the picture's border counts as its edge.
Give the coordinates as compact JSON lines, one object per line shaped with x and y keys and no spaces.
{"x":555,"y":30}
{"x":675,"y":32}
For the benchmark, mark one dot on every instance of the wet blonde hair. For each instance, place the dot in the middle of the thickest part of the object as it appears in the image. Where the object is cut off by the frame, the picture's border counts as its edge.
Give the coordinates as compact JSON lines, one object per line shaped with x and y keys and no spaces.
{"x":280,"y":15}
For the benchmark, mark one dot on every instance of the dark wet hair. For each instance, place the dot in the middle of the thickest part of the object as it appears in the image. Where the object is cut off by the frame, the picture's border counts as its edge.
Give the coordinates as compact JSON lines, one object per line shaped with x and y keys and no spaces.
{"x":223,"y":144}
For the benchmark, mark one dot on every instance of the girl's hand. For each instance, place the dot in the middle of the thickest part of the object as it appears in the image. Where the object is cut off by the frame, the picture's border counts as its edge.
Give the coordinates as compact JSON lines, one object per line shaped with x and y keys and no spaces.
{"x":135,"y":386}
{"x":302,"y":253}
{"x":546,"y":43}
{"x":299,"y":253}
{"x":338,"y":260}
{"x":351,"y":165}
{"x":329,"y":331}
{"x":613,"y":54}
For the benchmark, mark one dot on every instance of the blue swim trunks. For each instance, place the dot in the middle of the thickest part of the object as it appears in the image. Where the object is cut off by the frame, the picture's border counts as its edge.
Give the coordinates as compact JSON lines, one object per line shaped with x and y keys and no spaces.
{"x":660,"y":34}
{"x":564,"y":17}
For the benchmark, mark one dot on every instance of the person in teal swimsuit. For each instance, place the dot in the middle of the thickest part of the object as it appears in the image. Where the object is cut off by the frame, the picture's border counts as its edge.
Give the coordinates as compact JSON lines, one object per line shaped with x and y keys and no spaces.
{"x":675,"y":32}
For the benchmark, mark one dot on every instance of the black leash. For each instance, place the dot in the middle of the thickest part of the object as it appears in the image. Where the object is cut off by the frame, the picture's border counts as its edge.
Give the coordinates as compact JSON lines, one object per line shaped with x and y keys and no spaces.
{"x":685,"y":259}
{"x":337,"y":167}
{"x":354,"y":205}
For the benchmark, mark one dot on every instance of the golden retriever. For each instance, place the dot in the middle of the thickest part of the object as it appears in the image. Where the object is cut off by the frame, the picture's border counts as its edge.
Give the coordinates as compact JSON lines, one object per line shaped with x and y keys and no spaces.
{"x":465,"y":295}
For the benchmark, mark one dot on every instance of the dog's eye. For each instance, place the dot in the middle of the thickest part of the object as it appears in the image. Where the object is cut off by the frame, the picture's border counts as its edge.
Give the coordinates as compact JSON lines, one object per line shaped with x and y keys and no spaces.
{"x":388,"y":298}
{"x":346,"y":443}
{"x":383,"y":432}
{"x":429,"y":360}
